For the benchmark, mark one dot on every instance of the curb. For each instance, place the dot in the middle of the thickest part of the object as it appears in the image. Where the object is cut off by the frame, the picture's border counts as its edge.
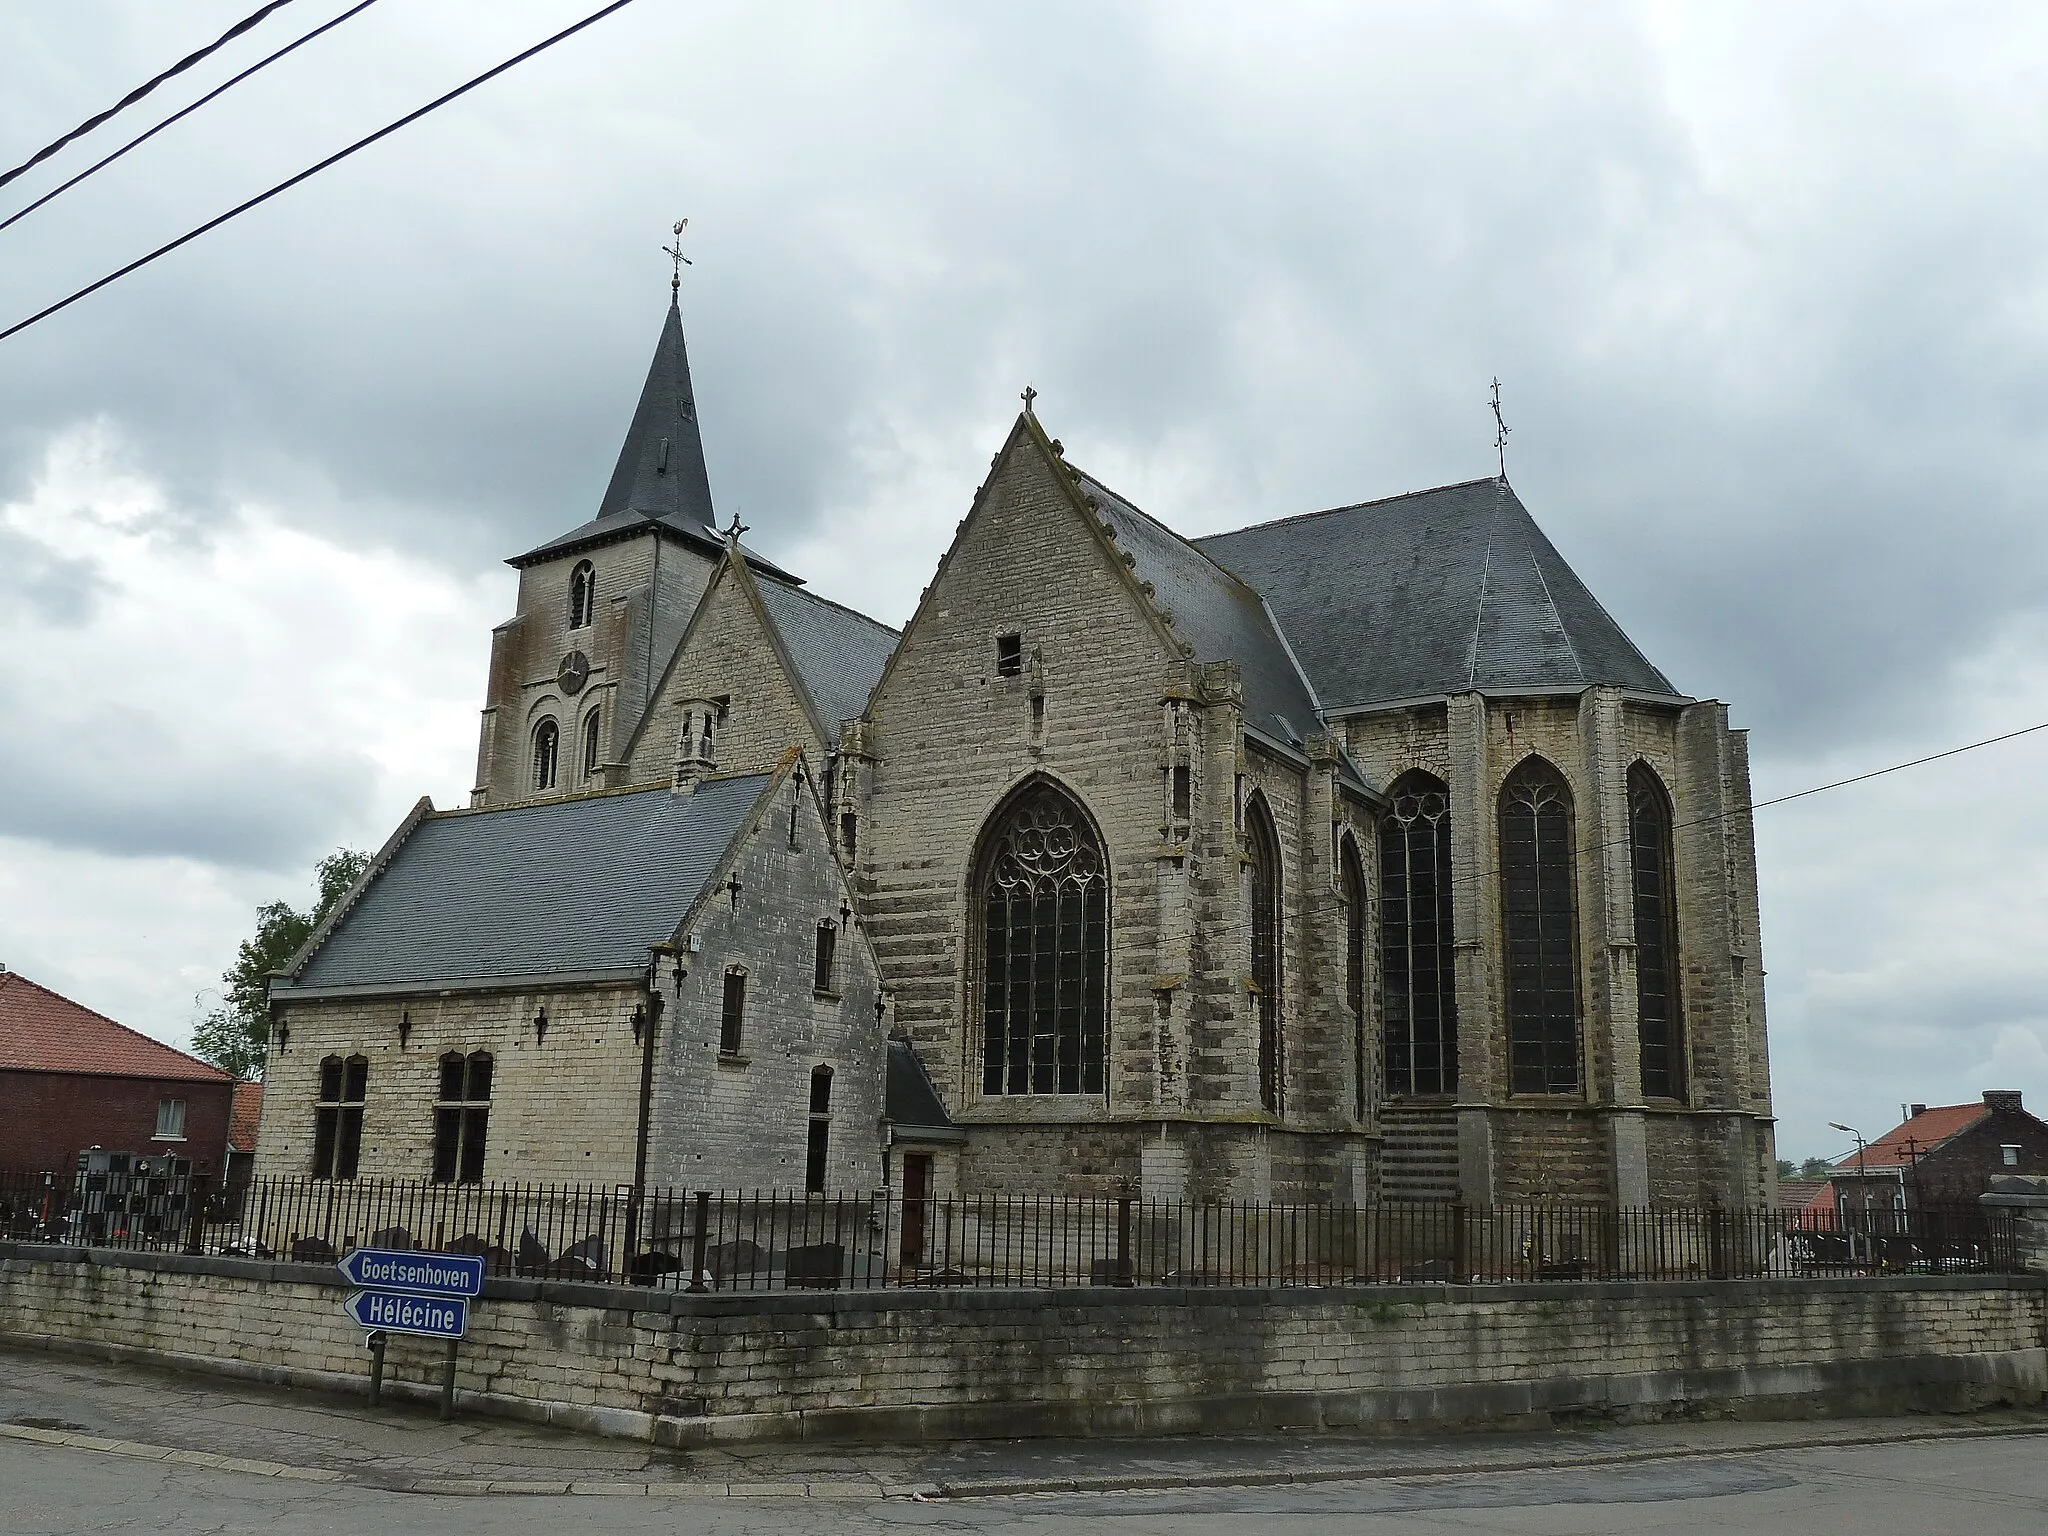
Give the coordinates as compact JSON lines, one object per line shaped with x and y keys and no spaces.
{"x":845,"y":1491}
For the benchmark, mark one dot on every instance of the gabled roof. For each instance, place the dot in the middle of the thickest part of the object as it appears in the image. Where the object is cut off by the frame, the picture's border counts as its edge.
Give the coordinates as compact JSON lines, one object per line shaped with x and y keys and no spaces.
{"x":660,"y":478}
{"x":44,"y":1031}
{"x":243,"y":1116}
{"x":578,"y":887}
{"x":838,"y":654}
{"x":909,"y":1100}
{"x":1222,"y":616}
{"x":1437,"y":592}
{"x":1915,"y":1137}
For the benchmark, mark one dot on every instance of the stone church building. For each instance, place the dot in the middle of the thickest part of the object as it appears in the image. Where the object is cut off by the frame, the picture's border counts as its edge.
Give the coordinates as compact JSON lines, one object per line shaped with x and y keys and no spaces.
{"x":1353,"y":856}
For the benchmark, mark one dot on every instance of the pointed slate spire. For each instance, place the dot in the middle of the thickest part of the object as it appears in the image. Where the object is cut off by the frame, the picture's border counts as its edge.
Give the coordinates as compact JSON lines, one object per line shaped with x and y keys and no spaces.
{"x":661,"y":467}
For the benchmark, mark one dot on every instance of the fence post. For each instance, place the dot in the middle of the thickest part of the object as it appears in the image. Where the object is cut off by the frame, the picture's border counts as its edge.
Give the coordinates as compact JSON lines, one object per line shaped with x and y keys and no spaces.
{"x":698,"y":1239}
{"x":196,"y":1192}
{"x":1124,"y":1275}
{"x":1461,"y":1246}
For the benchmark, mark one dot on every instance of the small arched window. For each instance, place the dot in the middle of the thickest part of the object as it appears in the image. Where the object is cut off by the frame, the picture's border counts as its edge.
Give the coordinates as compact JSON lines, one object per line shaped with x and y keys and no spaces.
{"x":1539,"y":912}
{"x":582,"y":595}
{"x":1352,"y":868}
{"x":1042,"y":886}
{"x":1263,"y":844}
{"x":547,"y":752}
{"x":592,"y":733}
{"x":1659,"y":1020}
{"x":1417,"y":974}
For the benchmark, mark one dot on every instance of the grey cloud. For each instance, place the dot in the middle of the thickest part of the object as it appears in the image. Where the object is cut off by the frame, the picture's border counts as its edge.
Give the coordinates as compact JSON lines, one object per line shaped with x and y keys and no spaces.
{"x":56,"y":589}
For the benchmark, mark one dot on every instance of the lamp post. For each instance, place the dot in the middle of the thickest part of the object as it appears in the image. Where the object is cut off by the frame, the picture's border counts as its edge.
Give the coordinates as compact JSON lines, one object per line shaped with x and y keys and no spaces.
{"x":1862,"y":1187}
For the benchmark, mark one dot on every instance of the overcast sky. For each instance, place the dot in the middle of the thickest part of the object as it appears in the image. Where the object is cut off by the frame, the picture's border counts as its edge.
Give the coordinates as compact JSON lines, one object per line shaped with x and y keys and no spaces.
{"x":1766,"y":288}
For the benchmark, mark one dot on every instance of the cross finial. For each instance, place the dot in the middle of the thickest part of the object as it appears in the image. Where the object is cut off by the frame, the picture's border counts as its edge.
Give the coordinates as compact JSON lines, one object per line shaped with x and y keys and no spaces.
{"x":1500,"y":435}
{"x":678,"y":260}
{"x":1027,"y":397}
{"x":733,"y":533}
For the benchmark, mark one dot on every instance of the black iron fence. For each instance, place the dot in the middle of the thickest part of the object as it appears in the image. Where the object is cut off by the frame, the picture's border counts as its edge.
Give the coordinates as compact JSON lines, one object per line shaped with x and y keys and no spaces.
{"x":775,"y":1241}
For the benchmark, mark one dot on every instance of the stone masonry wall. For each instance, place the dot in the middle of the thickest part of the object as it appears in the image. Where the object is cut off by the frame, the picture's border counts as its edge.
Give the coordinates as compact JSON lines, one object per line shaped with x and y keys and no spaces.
{"x":690,"y":1369}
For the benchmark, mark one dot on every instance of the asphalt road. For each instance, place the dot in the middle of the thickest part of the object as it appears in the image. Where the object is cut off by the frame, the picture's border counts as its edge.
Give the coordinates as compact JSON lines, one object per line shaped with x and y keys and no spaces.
{"x":1983,"y":1487}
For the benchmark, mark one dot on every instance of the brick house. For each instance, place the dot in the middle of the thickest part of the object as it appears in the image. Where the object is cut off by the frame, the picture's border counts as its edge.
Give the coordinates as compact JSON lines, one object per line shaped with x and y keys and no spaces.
{"x":1355,"y":856}
{"x":1943,"y":1155}
{"x":71,"y":1079}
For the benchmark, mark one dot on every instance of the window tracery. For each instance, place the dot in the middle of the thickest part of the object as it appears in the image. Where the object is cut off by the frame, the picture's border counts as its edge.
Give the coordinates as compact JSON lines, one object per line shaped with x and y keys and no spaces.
{"x":1659,"y":1016}
{"x":582,"y":595}
{"x":1263,"y":845}
{"x":1539,"y":911}
{"x":1417,"y":961}
{"x":1043,"y":891}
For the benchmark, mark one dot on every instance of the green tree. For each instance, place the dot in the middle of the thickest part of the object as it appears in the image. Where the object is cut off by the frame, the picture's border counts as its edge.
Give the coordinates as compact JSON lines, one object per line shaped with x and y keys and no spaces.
{"x":1787,"y":1169}
{"x":1816,"y":1168}
{"x":233,"y":1035}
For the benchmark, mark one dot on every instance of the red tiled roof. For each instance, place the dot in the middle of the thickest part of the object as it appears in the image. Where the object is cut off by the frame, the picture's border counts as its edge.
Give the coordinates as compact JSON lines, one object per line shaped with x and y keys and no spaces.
{"x":243,"y":1115}
{"x":1924,"y":1132}
{"x":41,"y":1031}
{"x":1798,"y":1194}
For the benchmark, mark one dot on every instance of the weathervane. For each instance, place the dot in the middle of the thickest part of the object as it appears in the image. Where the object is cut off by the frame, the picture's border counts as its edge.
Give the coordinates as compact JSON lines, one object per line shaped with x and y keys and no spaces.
{"x":1500,"y":436}
{"x":678,"y":259}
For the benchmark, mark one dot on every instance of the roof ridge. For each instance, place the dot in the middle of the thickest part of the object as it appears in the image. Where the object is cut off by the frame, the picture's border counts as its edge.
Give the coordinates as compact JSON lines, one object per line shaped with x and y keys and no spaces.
{"x":1351,"y":506}
{"x":1550,"y":602}
{"x":72,"y":1002}
{"x":612,"y":792}
{"x":1485,"y":588}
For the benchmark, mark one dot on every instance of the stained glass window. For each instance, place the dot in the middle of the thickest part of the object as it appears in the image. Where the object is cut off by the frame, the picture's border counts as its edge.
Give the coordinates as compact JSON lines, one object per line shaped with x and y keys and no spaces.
{"x":1418,"y":976}
{"x":1265,"y":900}
{"x":1539,"y":906}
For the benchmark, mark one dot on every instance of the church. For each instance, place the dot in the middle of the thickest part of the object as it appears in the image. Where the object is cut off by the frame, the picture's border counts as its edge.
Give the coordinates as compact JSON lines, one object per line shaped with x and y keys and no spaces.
{"x":1355,"y":856}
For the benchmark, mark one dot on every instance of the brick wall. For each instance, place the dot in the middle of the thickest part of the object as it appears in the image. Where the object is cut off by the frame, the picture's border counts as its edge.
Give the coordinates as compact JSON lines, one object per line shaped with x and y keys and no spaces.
{"x":685,"y":1368}
{"x":47,"y":1118}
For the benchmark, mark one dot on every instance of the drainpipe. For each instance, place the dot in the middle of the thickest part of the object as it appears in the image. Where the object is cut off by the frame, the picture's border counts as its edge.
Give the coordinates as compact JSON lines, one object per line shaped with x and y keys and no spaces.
{"x":647,"y":1015}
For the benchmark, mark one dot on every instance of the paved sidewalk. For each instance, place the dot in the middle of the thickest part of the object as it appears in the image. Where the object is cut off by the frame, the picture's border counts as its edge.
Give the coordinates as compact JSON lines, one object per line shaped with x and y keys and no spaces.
{"x":312,"y":1436}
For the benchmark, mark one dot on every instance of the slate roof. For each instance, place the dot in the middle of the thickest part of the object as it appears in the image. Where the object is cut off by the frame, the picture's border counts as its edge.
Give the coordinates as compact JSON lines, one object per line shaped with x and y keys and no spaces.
{"x":44,"y":1031}
{"x":1437,"y":592}
{"x":562,"y":887}
{"x":1217,"y":611}
{"x":660,"y":476}
{"x":839,"y":654}
{"x":908,"y":1098}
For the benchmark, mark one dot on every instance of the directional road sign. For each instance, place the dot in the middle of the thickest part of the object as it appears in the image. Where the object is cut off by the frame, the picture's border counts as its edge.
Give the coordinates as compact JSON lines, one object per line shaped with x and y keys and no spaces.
{"x":436,"y":1317}
{"x":422,"y":1274}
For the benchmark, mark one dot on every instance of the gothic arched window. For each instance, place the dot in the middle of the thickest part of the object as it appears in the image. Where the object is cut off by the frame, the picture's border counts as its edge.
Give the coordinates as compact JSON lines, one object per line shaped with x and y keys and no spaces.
{"x":582,"y":595}
{"x":547,"y":752}
{"x":1264,"y":845}
{"x":1353,"y":870}
{"x":1042,"y":886}
{"x":1539,"y":908}
{"x":1659,"y":1020}
{"x":591,"y":734}
{"x":1417,"y":974}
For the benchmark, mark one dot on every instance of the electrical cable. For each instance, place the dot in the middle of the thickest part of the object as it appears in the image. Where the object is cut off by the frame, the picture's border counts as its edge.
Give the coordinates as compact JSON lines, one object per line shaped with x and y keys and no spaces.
{"x":99,"y":165}
{"x":142,"y":90}
{"x":314,"y":170}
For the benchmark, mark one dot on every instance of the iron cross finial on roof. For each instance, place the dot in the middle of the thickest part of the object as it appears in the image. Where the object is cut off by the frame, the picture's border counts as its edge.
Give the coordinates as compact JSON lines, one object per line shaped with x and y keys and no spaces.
{"x":1500,"y":435}
{"x":678,"y":260}
{"x":733,"y":533}
{"x":1027,"y":397}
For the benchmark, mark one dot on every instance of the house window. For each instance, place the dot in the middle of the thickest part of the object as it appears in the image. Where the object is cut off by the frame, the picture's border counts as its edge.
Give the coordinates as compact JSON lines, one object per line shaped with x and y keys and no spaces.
{"x":547,"y":751}
{"x":591,"y":732}
{"x":1539,"y":908}
{"x":2010,"y":1155}
{"x":732,"y":1017}
{"x":462,"y":1117}
{"x":170,"y":1120}
{"x":1009,"y":655}
{"x":1042,"y":933}
{"x":582,"y":595}
{"x":1263,"y":843}
{"x":819,"y":1139}
{"x":338,"y":1118}
{"x":1420,"y":1022}
{"x":1659,"y":1031}
{"x":821,"y":969}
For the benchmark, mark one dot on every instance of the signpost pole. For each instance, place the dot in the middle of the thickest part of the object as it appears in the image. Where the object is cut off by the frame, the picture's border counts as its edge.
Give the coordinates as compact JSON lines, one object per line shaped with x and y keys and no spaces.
{"x":376,"y":1367}
{"x":448,"y":1384}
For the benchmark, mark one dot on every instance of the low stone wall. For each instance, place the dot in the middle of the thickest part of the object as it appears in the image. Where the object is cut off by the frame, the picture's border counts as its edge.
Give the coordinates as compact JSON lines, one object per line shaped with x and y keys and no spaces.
{"x":691,"y":1369}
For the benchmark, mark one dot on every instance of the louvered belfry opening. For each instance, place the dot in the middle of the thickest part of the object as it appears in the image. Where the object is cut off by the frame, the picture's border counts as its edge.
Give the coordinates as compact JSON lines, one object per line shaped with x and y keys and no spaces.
{"x":1417,"y":960}
{"x":1264,"y":846}
{"x":1660,"y":1030}
{"x":1539,"y":903}
{"x":1044,"y":928}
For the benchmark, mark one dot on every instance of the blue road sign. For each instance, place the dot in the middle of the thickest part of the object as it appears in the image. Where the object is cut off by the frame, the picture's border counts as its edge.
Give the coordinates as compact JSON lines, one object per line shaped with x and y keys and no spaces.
{"x":423,"y":1274}
{"x":435,"y":1317}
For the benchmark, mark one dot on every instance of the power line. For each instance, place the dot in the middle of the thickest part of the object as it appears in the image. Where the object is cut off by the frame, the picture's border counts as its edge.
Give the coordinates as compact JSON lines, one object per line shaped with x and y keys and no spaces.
{"x":151,"y":133}
{"x":143,"y":90}
{"x":313,"y":170}
{"x":1799,"y":794}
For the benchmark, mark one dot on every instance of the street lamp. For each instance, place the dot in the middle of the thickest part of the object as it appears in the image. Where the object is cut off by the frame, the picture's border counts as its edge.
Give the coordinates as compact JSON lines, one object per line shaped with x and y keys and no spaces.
{"x":1862,"y":1186}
